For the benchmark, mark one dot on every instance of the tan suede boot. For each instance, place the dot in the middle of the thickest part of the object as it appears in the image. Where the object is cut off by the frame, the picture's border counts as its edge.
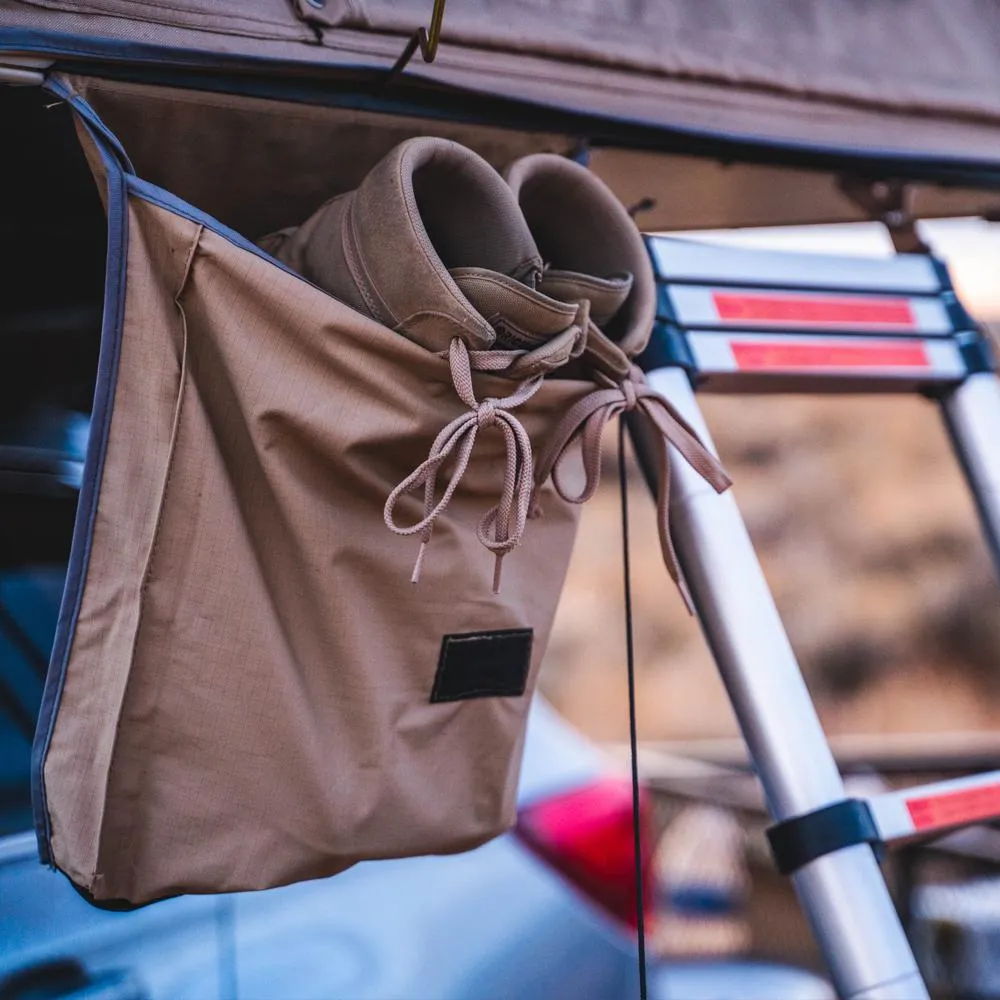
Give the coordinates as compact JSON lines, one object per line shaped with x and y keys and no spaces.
{"x":595,"y":257}
{"x":433,"y":245}
{"x":592,"y":251}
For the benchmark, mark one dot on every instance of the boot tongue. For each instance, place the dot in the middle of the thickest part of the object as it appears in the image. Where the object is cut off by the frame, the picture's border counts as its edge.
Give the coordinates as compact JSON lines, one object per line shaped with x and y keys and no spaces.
{"x":606,"y":295}
{"x":523,"y":319}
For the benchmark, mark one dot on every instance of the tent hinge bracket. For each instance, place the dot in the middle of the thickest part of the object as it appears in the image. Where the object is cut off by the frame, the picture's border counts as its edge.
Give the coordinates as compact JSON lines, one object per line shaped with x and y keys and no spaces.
{"x":888,"y":202}
{"x":23,"y":71}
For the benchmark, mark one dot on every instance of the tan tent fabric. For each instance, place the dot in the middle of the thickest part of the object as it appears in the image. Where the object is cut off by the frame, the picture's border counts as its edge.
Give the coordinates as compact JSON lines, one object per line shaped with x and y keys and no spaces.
{"x":298,"y":155}
{"x":251,"y":690}
{"x":919,"y":78}
{"x":283,"y":141}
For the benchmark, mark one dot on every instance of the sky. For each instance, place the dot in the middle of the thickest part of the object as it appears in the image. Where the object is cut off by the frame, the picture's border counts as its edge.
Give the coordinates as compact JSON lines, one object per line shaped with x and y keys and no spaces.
{"x":971,"y":248}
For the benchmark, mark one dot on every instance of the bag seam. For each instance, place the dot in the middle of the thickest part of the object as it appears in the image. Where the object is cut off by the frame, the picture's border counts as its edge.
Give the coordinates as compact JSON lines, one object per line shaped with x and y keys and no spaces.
{"x":155,"y":538}
{"x":79,"y":561}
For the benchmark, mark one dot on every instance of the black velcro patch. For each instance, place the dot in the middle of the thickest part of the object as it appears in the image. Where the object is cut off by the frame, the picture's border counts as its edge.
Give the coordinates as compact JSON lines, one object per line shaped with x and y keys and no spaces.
{"x":483,"y":665}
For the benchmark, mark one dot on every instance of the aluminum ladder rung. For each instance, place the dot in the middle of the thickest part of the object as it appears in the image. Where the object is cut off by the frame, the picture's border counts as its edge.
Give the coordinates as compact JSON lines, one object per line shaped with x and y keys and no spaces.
{"x":929,"y":810}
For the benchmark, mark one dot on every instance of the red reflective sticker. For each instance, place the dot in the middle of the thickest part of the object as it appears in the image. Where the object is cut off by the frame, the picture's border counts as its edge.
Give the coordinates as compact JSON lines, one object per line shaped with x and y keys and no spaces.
{"x":955,"y":808}
{"x":814,"y":310}
{"x":778,"y":355}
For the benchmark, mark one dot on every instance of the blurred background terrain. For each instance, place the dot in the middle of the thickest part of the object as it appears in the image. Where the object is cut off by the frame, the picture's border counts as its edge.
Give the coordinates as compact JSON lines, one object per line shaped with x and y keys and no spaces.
{"x":866,"y":533}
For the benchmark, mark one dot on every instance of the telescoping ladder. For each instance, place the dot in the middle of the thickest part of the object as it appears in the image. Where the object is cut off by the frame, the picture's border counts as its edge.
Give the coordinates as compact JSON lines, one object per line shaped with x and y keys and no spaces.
{"x":750,"y":321}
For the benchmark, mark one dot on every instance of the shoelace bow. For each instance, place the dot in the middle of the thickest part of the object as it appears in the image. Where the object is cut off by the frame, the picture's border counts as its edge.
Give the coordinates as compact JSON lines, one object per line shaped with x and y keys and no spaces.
{"x":507,"y":518}
{"x":586,"y":421}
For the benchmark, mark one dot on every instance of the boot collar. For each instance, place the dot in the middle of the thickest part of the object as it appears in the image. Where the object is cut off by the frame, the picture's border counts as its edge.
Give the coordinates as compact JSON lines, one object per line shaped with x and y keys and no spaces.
{"x":430,"y":206}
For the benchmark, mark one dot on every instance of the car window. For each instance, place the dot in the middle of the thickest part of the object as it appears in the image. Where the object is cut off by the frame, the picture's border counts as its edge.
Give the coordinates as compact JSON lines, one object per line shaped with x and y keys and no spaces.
{"x":29,"y":607}
{"x":42,"y":446}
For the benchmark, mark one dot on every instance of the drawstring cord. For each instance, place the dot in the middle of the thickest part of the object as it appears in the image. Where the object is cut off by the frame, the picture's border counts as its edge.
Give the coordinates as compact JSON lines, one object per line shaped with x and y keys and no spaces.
{"x":640,"y":903}
{"x":502,"y":527}
{"x":586,"y":421}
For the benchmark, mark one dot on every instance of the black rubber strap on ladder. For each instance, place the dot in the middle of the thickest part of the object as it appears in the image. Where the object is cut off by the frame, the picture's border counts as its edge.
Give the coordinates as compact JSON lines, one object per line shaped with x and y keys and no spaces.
{"x":797,"y":841}
{"x":633,"y":738}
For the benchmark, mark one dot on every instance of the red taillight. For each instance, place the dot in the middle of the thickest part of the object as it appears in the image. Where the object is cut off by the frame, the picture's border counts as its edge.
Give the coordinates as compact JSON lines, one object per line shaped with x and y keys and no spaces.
{"x":586,"y":834}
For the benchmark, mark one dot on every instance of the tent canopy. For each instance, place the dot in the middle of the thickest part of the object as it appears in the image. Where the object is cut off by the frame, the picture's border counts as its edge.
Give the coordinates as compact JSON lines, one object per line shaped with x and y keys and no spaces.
{"x":723,"y":92}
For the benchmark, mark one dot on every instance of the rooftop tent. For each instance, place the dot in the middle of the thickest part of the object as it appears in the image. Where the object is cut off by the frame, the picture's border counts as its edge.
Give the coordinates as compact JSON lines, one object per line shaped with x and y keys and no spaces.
{"x":692,"y":105}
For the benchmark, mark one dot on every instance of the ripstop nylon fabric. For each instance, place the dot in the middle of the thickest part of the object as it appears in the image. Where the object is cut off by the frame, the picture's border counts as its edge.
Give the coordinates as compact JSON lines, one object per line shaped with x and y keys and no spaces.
{"x":247,"y":698}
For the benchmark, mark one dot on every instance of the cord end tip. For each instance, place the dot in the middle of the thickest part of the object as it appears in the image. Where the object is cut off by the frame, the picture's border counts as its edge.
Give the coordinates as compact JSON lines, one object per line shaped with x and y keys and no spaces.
{"x":497,"y":570}
{"x":419,"y":564}
{"x":686,"y":596}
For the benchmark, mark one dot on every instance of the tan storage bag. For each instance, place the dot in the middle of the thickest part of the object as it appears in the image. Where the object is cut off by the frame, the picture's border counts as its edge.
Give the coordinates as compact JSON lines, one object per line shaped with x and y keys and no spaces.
{"x":247,"y":689}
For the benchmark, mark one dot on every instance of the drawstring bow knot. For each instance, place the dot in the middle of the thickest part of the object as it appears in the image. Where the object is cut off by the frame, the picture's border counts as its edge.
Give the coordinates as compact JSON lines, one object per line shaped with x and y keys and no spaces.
{"x":507,"y":518}
{"x":585,"y":422}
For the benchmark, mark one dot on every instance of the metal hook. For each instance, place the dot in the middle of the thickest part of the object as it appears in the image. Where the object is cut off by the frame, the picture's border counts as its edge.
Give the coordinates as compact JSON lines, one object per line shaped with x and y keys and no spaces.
{"x":426,"y":40}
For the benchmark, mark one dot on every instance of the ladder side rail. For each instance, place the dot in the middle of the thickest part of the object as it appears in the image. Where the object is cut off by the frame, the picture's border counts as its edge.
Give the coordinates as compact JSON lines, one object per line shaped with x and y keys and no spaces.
{"x":972,"y":418}
{"x":843,"y":894}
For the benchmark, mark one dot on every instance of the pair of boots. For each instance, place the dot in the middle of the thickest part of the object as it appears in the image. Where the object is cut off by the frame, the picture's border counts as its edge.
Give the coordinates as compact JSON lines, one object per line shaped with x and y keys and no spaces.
{"x":541,"y":273}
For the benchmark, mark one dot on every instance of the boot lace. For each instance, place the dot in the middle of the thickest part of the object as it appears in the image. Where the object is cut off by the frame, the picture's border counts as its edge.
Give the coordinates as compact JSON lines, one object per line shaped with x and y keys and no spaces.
{"x":502,"y":526}
{"x":585,"y":421}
